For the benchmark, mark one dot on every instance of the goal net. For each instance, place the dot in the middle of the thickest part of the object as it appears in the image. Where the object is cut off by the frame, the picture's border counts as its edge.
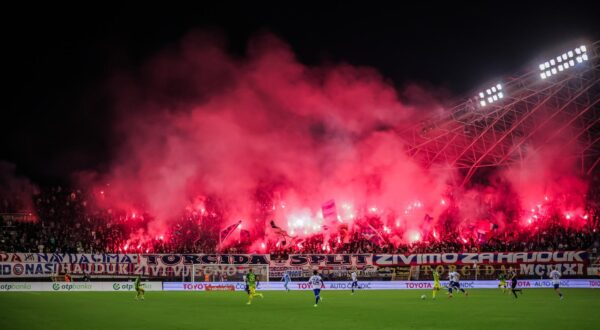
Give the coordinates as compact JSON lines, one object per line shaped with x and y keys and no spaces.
{"x":226,"y":272}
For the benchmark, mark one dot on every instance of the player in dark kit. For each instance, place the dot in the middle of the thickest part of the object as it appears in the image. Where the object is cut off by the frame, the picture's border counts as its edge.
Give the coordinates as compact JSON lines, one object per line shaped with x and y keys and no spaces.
{"x":513,"y":282}
{"x":246,"y":287}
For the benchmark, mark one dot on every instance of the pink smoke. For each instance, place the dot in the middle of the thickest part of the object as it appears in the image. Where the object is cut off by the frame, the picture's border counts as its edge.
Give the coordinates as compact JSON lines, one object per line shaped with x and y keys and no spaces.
{"x":197,"y":123}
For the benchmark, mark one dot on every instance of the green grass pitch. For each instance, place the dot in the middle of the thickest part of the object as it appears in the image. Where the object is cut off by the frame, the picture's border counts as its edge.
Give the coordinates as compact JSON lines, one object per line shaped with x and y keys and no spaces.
{"x":482,"y":309}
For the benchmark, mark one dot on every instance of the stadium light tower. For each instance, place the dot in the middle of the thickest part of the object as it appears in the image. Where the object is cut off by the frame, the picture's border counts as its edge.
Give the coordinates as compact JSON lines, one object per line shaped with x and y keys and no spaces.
{"x":563,"y":62}
{"x":490,"y":95}
{"x":539,"y":113}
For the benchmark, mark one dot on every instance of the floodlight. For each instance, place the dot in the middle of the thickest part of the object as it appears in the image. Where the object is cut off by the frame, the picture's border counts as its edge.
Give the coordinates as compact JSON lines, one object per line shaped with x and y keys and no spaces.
{"x":563,"y":62}
{"x":491,"y":95}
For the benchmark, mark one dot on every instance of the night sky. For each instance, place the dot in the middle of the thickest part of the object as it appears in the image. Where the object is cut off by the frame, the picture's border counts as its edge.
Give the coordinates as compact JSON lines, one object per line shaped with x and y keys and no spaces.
{"x":58,"y":61}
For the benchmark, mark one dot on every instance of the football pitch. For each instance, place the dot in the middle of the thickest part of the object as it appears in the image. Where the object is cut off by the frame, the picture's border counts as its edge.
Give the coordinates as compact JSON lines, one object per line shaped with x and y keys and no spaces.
{"x":482,"y":309}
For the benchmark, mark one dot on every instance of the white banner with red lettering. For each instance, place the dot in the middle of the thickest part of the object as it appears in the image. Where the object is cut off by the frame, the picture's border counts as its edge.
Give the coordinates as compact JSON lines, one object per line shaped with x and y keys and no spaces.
{"x":23,"y":265}
{"x":482,"y":258}
{"x":20,"y":265}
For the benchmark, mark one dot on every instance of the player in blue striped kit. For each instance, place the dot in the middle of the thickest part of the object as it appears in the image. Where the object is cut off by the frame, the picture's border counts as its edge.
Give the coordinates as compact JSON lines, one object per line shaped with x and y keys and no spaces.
{"x":354,"y":281}
{"x":317,"y":283}
{"x":555,"y":276}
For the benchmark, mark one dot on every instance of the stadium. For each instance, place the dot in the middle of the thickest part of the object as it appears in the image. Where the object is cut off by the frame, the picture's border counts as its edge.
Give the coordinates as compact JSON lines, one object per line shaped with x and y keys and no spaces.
{"x":256,"y":188}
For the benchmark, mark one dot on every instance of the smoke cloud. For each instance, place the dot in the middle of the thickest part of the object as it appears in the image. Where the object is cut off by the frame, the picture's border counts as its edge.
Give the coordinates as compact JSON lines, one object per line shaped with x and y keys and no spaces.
{"x":196,"y":123}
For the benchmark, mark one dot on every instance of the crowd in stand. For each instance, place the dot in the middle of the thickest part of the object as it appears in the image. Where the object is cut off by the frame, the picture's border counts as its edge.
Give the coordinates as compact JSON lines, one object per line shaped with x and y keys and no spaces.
{"x":552,"y":239}
{"x":63,"y":221}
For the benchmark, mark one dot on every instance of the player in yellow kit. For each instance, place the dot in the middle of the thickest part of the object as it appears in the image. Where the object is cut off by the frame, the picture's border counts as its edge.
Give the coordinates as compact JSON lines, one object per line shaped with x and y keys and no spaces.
{"x":138,"y":288}
{"x":252,"y":281}
{"x":436,"y":283}
{"x":502,"y":284}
